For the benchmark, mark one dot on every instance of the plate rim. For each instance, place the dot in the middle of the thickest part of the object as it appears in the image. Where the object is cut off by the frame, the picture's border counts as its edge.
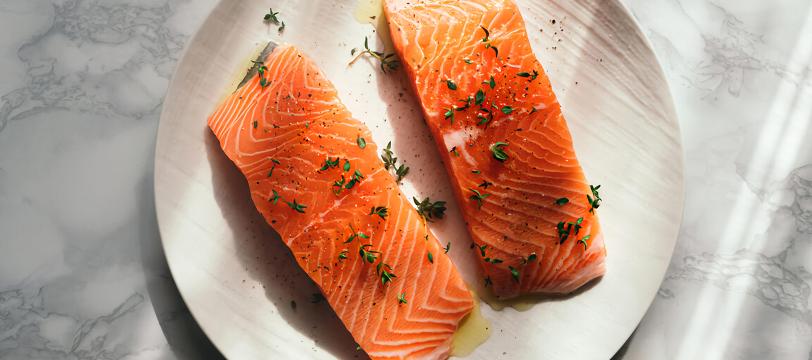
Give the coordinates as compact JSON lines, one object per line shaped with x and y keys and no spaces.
{"x":195,"y":38}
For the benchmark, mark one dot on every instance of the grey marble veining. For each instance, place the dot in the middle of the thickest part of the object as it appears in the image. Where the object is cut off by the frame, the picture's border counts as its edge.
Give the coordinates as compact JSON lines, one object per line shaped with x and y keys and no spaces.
{"x":82,"y":275}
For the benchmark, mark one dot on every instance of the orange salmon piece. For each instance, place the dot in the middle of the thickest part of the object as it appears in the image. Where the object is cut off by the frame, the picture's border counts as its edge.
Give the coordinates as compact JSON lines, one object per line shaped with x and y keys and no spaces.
{"x":299,"y":149}
{"x":505,"y":144}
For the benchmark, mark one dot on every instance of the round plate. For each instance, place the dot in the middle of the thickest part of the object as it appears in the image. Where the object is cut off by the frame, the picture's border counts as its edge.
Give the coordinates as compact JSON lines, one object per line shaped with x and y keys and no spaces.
{"x":242,"y":284}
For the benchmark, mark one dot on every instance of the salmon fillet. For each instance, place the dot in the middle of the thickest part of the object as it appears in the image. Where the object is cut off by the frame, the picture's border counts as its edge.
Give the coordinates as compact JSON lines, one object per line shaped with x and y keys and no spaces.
{"x":505,"y":144}
{"x":326,"y":193}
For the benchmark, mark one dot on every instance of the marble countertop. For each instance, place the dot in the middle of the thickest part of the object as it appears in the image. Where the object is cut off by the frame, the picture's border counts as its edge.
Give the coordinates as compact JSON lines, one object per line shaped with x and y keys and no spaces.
{"x":82,"y":82}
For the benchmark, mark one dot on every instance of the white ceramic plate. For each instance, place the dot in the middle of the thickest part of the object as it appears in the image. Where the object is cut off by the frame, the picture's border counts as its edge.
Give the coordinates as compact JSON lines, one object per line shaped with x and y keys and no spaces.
{"x":239,"y":280}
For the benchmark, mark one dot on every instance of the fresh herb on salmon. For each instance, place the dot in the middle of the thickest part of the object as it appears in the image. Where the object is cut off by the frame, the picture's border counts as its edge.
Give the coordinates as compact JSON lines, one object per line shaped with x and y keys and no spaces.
{"x":402,"y":298}
{"x":498,"y":151}
{"x":355,"y":234}
{"x":583,"y":241}
{"x":369,"y":255}
{"x":479,"y":98}
{"x":478,"y":197}
{"x":356,"y":178}
{"x":296,"y":206}
{"x":381,"y":211}
{"x":328,"y":163}
{"x":383,"y":270}
{"x":514,"y":273}
{"x":562,"y":201}
{"x":275,"y":162}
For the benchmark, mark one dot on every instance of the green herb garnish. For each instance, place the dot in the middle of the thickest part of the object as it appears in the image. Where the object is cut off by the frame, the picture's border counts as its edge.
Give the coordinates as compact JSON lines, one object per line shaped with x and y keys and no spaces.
{"x":507,"y":110}
{"x":482,"y":119}
{"x":271,"y":16}
{"x":369,"y":255}
{"x":342,"y":255}
{"x":356,"y":178}
{"x":451,"y":85}
{"x":296,"y":206}
{"x":498,"y":151}
{"x":479,"y":97}
{"x":275,"y":197}
{"x":328,"y":163}
{"x":595,"y":199}
{"x":475,"y":171}
{"x":388,"y":160}
{"x":492,"y":82}
{"x":454,"y":151}
{"x":487,"y":34}
{"x":493,"y":261}
{"x":402,"y":298}
{"x":482,"y":249}
{"x":275,"y":162}
{"x":430,"y":210}
{"x":449,"y":114}
{"x":361,"y":142}
{"x":447,"y":247}
{"x":478,"y":197}
{"x":562,"y":201}
{"x":338,"y":185}
{"x":485,"y":184}
{"x":381,"y":211}
{"x":430,"y":257}
{"x":514,"y":273}
{"x":388,"y":61}
{"x":583,"y":241}
{"x":383,"y":270}
{"x":401,"y":171}
{"x":355,"y":234}
{"x":468,"y":61}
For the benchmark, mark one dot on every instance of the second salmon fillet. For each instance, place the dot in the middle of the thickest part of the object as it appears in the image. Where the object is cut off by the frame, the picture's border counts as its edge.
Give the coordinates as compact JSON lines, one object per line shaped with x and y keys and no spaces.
{"x":505,"y":144}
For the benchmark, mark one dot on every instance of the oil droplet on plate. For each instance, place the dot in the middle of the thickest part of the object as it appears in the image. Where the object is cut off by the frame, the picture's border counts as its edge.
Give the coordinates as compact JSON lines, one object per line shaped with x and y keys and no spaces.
{"x":371,"y":12}
{"x":474,"y":329}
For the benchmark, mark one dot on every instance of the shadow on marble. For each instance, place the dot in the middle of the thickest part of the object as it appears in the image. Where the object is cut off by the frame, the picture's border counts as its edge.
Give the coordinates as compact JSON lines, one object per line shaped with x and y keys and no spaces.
{"x":185,"y":337}
{"x":271,"y":263}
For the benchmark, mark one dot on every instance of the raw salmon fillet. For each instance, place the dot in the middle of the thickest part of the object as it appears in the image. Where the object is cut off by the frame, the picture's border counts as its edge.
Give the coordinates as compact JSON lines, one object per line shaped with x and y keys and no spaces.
{"x":295,"y":142}
{"x":505,"y":144}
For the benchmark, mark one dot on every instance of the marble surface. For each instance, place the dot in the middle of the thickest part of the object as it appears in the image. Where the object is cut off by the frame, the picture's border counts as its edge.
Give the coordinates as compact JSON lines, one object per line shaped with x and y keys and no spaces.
{"x":82,"y":274}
